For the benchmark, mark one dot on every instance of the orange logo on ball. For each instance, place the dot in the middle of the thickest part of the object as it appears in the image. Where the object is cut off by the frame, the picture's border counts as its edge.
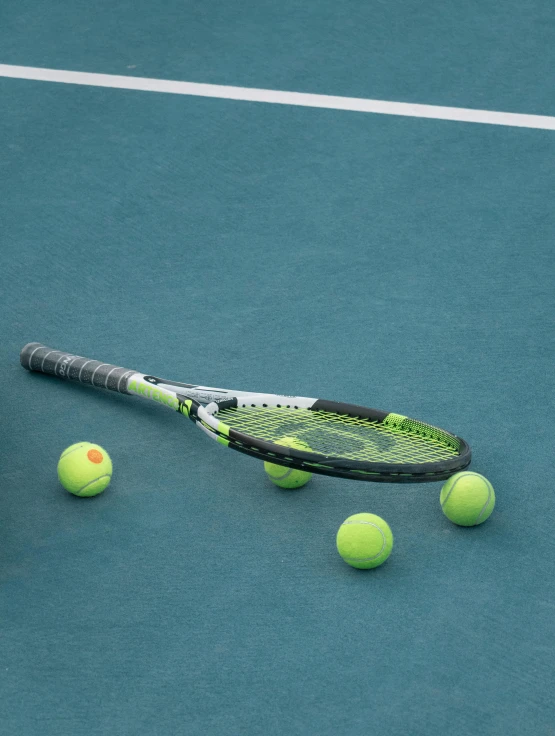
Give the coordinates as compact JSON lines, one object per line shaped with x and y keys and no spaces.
{"x":95,"y":456}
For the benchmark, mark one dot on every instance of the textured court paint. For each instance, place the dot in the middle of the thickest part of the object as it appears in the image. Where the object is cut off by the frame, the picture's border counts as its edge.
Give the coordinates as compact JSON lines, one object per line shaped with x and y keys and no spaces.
{"x":472,"y":54}
{"x":298,"y":99}
{"x":413,"y":270}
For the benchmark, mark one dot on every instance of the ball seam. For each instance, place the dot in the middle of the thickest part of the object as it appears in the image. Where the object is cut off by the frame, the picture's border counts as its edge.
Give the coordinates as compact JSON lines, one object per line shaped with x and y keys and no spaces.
{"x":384,"y":541}
{"x":79,"y":447}
{"x":465,"y":475}
{"x":100,"y":477}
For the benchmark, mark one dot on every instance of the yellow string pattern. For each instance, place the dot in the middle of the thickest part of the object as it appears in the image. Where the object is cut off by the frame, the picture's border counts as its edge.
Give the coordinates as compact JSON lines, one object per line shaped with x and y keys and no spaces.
{"x":397,"y":441}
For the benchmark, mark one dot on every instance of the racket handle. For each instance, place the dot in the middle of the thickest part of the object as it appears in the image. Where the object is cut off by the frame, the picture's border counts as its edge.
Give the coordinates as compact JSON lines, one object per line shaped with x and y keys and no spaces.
{"x":37,"y":357}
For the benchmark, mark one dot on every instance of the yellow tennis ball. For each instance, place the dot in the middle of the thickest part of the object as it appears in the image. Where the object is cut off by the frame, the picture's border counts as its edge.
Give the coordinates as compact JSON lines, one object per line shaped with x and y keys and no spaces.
{"x":288,"y":477}
{"x":364,"y":541}
{"x":84,"y":469}
{"x":467,"y":498}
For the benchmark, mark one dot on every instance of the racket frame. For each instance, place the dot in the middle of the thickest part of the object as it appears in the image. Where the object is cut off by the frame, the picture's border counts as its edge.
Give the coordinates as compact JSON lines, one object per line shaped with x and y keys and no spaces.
{"x":202,"y":405}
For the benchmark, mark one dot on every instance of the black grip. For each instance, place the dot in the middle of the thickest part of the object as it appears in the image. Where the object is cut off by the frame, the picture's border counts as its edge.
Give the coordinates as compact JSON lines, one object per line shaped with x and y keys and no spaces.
{"x":37,"y":357}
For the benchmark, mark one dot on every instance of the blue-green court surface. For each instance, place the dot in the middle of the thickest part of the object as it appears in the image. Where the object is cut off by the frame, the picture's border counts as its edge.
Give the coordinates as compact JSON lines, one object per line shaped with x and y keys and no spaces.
{"x":398,"y":262}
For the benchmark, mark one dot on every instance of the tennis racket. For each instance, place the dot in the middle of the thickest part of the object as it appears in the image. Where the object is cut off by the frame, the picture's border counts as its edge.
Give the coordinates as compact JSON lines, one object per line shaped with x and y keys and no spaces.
{"x":342,"y":440}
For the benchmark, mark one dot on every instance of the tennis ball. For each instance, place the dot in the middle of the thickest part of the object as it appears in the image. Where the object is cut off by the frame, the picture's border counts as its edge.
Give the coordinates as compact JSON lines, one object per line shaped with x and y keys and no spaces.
{"x":467,"y":498}
{"x":288,"y":477}
{"x":364,"y":541}
{"x":84,"y":469}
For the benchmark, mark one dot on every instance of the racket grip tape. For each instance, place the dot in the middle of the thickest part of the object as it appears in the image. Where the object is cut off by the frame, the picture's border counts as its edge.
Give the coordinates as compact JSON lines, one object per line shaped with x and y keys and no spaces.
{"x":37,"y":357}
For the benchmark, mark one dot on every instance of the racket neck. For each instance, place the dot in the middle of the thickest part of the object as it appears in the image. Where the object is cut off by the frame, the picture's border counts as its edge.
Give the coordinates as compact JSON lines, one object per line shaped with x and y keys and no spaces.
{"x":172,"y":394}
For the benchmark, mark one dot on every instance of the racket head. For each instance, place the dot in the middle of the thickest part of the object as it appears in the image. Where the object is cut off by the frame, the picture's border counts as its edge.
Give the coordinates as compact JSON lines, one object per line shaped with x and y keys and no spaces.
{"x":342,"y":440}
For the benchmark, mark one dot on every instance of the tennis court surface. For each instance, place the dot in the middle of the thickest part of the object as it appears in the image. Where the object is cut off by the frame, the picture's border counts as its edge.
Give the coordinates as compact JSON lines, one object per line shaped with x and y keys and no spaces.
{"x":350,"y":201}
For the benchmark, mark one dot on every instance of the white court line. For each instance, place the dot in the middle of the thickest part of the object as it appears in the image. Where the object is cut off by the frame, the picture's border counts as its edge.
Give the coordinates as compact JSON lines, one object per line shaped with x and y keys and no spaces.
{"x":299,"y":99}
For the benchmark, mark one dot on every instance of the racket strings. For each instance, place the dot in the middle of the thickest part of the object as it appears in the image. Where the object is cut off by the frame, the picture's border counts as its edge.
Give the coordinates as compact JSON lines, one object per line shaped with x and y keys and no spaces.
{"x":400,"y":441}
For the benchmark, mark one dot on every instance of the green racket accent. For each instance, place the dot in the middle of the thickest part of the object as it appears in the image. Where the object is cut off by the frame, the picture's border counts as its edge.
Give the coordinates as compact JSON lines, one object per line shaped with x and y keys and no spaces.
{"x":414,"y":427}
{"x":395,"y":440}
{"x":185,"y":407}
{"x":394,"y":420}
{"x":223,"y":429}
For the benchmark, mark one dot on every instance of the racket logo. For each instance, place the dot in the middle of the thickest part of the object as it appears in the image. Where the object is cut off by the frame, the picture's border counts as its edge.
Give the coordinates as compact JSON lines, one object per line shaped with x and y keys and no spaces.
{"x":156,"y":394}
{"x":62,"y":370}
